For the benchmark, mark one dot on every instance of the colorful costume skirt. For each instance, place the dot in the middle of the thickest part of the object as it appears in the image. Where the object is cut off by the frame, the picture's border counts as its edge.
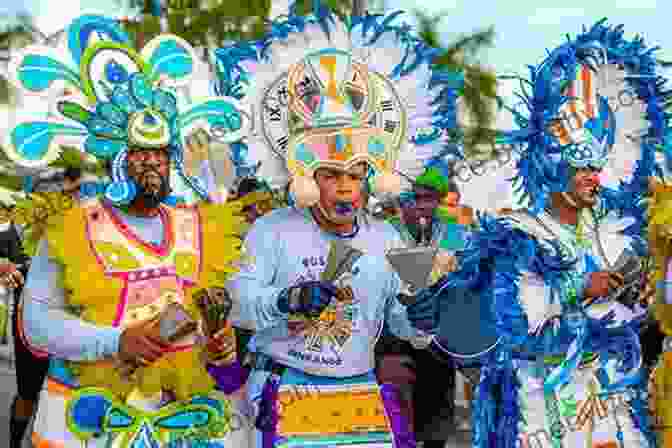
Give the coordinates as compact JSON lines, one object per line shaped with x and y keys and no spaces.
{"x":68,"y":416}
{"x":294,"y":410}
{"x":578,"y":415}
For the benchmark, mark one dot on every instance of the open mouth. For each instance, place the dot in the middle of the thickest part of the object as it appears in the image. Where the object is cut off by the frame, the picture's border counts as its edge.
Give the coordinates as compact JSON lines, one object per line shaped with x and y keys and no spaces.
{"x":151,"y":180}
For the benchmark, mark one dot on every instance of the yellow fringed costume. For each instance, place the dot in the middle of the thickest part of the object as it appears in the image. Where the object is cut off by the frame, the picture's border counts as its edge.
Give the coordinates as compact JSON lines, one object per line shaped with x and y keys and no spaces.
{"x":660,"y":244}
{"x":115,"y":279}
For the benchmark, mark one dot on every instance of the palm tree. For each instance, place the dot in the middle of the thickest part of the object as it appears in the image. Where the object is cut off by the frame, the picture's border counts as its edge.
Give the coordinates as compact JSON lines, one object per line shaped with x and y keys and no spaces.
{"x":340,"y":7}
{"x":17,"y":34}
{"x":204,"y":23}
{"x":480,"y":84}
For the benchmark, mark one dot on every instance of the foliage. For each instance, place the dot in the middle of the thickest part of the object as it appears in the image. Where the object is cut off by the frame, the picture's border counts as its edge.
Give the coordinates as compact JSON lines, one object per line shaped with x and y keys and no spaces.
{"x":340,"y":7}
{"x":10,"y":182}
{"x":480,"y":84}
{"x":72,"y":158}
{"x":202,"y":22}
{"x":11,"y":35}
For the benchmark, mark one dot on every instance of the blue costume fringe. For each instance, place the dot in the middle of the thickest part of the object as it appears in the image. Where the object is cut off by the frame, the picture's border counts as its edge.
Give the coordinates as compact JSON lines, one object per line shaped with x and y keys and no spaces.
{"x":491,"y":264}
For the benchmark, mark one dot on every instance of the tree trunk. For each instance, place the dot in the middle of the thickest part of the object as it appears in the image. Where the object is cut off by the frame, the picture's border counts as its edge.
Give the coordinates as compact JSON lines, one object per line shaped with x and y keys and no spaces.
{"x":359,"y":7}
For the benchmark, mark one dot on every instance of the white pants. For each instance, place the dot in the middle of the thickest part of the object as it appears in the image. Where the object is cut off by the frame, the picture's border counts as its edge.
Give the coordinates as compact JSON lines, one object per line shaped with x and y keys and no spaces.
{"x":583,"y":419}
{"x":51,"y":430}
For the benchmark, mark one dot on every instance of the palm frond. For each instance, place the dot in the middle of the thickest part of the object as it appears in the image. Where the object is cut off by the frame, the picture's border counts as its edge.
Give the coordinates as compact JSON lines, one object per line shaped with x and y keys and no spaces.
{"x":480,"y":85}
{"x":341,"y":8}
{"x":4,"y":91}
{"x":205,"y":22}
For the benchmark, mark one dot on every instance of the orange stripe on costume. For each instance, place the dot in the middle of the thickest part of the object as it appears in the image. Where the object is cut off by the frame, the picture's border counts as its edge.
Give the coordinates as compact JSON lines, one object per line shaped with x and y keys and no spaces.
{"x":572,"y":104}
{"x":57,"y":388}
{"x":588,"y":94}
{"x":559,"y":129}
{"x":39,"y":442}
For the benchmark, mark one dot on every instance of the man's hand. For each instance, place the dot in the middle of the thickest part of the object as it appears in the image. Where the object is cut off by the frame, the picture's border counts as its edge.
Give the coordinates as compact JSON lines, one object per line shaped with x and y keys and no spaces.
{"x":602,"y":283}
{"x":665,"y":232}
{"x":445,"y":262}
{"x":196,"y":151}
{"x":309,"y":298}
{"x":648,"y":296}
{"x":138,"y":344}
{"x":10,"y":277}
{"x":422,"y":309}
{"x":222,"y":346}
{"x":201,"y":146}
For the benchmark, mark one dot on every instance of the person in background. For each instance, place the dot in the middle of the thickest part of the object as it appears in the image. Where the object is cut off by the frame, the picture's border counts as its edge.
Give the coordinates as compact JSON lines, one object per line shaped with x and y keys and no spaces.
{"x":424,"y":220}
{"x":656,"y":338}
{"x":30,"y":371}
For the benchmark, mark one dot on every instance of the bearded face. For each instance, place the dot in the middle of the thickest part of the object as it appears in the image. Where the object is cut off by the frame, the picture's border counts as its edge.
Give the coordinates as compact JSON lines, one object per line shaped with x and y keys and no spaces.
{"x":150,"y":170}
{"x":341,"y":194}
{"x":584,"y":187}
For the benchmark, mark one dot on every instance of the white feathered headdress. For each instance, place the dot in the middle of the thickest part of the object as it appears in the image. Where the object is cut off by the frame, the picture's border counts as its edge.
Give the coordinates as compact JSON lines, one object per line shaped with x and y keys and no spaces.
{"x":324,"y":93}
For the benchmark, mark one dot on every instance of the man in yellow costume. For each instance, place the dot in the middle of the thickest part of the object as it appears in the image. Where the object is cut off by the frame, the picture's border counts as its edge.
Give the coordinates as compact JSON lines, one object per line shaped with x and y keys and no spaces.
{"x":124,"y":286}
{"x":660,"y":242}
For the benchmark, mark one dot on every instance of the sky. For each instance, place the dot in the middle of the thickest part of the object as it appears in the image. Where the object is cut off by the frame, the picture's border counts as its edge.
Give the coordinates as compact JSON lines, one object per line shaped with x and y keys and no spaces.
{"x":524,"y":29}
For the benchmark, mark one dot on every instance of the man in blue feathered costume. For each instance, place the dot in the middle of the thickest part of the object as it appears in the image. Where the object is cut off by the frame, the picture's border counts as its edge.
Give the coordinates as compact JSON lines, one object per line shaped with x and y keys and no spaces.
{"x":559,"y":280}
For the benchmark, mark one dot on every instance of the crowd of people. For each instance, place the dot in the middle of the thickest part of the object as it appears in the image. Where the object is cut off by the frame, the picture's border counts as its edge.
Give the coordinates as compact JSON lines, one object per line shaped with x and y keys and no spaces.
{"x":196,"y":297}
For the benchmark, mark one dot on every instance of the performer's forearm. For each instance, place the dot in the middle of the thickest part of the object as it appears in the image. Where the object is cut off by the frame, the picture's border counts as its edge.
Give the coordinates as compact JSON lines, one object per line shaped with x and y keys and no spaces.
{"x":399,"y":324}
{"x":55,"y":331}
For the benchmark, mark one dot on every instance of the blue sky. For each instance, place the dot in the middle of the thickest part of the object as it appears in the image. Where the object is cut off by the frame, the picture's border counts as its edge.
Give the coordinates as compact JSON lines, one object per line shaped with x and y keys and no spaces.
{"x":524,"y":28}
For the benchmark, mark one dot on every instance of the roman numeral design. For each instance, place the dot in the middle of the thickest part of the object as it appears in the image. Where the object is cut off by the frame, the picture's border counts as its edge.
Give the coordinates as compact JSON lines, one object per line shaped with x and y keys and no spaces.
{"x":273,"y":113}
{"x":305,"y":85}
{"x":386,"y":106}
{"x":391,"y":126}
{"x":283,"y":95}
{"x":283,"y":142}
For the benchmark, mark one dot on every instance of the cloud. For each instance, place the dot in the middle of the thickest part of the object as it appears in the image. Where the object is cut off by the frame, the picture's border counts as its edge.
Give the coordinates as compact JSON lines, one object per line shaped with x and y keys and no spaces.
{"x":553,"y":16}
{"x":505,"y":90}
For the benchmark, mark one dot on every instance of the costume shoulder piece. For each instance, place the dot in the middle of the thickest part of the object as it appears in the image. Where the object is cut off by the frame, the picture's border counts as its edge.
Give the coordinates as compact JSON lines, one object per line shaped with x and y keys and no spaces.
{"x":325,"y":92}
{"x":34,"y":214}
{"x":116,"y":98}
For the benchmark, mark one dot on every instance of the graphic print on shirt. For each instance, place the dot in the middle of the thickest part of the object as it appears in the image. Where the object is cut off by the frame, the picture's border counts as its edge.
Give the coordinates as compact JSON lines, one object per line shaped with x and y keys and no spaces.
{"x":324,"y":336}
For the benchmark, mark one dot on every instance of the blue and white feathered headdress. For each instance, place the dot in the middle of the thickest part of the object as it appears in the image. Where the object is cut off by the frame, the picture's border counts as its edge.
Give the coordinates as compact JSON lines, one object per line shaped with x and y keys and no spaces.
{"x":571,"y":116}
{"x":326,"y":92}
{"x":118,"y":98}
